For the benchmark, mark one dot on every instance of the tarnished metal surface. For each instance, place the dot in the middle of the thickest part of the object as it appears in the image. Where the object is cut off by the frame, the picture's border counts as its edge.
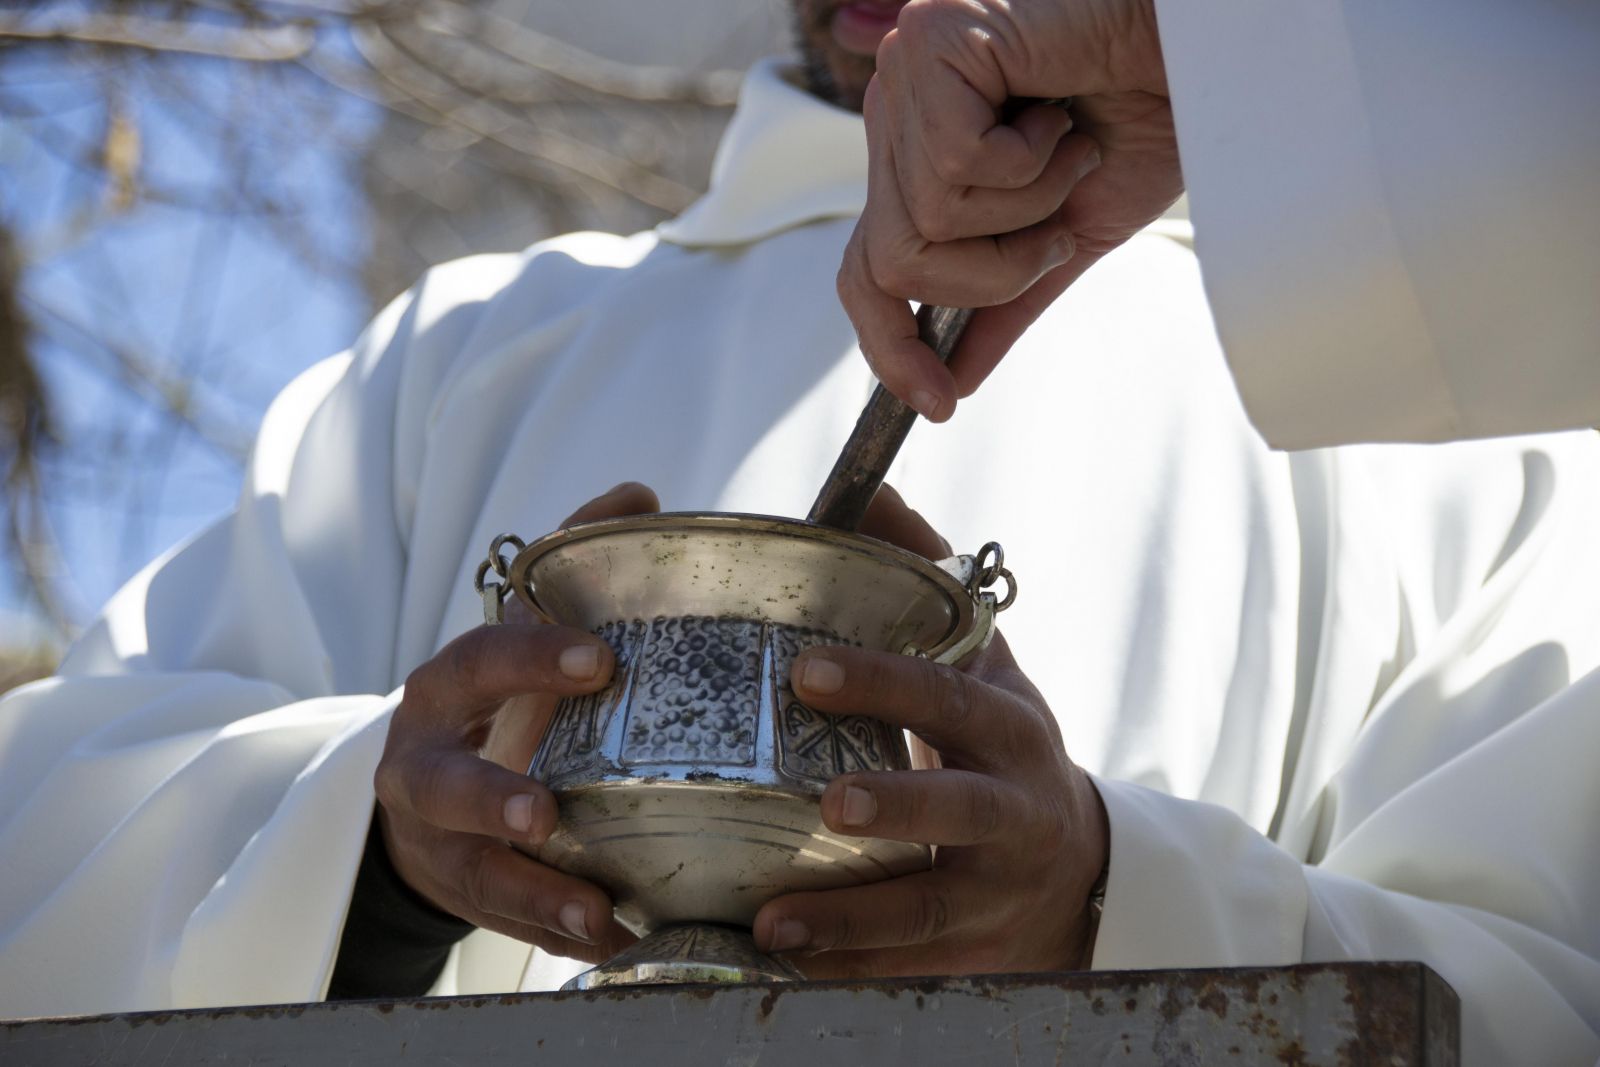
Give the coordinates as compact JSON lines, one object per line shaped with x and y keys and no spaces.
{"x":759,"y":567}
{"x":1320,"y":1015}
{"x":716,"y":850}
{"x":689,"y":786}
{"x":687,"y":954}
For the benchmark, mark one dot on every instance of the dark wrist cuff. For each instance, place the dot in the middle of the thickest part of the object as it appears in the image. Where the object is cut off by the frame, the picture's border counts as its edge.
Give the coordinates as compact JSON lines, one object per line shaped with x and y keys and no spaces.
{"x":395,"y":943}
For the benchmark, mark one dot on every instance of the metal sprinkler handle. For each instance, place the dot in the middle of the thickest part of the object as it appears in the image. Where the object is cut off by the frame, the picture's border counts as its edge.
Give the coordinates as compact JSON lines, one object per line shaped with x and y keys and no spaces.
{"x":880,"y":431}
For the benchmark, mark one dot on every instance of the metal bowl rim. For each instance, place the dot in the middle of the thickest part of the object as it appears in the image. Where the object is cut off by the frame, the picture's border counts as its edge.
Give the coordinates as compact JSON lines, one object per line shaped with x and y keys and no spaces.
{"x":960,"y":596}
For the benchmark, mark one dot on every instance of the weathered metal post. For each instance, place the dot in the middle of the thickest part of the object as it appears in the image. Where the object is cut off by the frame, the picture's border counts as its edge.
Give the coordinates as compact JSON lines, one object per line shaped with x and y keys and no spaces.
{"x":1314,"y":1015}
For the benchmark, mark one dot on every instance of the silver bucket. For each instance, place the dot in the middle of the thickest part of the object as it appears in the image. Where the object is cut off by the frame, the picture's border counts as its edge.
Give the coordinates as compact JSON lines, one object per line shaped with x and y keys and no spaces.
{"x":689,"y":787}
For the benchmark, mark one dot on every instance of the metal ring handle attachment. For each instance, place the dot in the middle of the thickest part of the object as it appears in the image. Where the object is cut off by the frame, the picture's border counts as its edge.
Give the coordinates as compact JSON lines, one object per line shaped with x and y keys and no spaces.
{"x":494,"y":593}
{"x":988,"y":568}
{"x":1011,"y":590}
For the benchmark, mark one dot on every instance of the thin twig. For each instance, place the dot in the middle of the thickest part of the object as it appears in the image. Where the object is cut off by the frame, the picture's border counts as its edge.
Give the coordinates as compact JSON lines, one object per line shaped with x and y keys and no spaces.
{"x":264,"y":44}
{"x":449,"y":102}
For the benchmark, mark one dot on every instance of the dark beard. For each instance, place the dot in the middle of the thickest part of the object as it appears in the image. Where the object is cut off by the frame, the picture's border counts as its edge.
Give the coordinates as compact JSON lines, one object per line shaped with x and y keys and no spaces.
{"x":819,"y":79}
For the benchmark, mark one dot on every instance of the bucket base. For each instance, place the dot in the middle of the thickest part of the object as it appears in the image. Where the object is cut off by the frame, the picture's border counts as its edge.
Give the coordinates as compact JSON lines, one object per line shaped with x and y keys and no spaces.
{"x":688,"y":953}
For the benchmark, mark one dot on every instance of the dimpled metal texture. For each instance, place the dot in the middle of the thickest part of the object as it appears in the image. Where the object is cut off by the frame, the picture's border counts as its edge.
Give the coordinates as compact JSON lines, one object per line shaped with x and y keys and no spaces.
{"x":696,"y":693}
{"x":691,"y":687}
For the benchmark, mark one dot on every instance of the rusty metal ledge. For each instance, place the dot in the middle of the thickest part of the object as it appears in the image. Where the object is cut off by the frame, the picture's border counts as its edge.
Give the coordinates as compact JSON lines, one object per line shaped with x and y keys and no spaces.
{"x":1338,"y":1015}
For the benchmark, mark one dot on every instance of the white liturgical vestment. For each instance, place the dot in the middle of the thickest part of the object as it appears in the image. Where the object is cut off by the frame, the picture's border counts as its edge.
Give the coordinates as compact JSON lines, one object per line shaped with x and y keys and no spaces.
{"x":1397,"y":209}
{"x":1313,"y":687}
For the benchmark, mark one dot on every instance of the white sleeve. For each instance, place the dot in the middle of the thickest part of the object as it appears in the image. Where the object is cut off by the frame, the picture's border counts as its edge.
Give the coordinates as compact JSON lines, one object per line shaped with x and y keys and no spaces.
{"x":1397,"y":210}
{"x":182,"y":809}
{"x":1484,"y":868}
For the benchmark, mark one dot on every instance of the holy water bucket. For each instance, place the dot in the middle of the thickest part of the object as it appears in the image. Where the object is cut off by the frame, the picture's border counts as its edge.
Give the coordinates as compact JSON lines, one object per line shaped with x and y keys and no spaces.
{"x":688,"y":788}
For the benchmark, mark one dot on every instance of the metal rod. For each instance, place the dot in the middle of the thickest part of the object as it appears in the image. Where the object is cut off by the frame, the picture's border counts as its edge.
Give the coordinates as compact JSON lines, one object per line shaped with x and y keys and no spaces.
{"x":880,"y":431}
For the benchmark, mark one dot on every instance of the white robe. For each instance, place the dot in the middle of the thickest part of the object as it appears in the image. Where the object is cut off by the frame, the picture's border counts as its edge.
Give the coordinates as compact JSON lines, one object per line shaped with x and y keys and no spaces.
{"x":1397,"y":209}
{"x":1345,"y":651}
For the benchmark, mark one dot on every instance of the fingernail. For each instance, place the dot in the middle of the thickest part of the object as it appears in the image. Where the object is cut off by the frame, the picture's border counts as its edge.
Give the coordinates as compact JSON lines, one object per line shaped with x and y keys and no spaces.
{"x":580,"y":662}
{"x":821,"y":675}
{"x":1087,"y":164}
{"x":519,"y":813}
{"x":926,"y":403}
{"x":787,"y":934}
{"x":860,"y":806}
{"x":573,"y":917}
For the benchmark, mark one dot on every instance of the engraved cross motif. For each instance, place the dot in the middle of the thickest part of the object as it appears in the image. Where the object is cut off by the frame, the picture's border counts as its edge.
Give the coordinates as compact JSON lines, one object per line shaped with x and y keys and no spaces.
{"x":821,"y":747}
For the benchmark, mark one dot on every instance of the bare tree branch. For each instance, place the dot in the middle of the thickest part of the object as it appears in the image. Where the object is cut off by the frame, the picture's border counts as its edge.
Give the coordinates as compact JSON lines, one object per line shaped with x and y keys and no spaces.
{"x":25,"y":429}
{"x":151,"y":384}
{"x":537,"y":51}
{"x":448,"y":101}
{"x":99,"y":97}
{"x":263,"y":44}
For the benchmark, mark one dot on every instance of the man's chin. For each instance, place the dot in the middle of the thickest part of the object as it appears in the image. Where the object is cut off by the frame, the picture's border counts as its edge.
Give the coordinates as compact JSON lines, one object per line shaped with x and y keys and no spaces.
{"x":839,"y":45}
{"x":837,"y":76}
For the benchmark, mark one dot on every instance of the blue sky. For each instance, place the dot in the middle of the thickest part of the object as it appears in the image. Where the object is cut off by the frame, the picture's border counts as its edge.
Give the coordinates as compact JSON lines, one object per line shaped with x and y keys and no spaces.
{"x":215,"y":297}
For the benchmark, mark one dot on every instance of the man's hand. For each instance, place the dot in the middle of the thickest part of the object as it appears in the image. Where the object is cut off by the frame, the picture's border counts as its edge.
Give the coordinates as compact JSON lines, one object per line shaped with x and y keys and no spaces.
{"x":448,"y":814}
{"x":966,"y":210}
{"x":1021,"y":831}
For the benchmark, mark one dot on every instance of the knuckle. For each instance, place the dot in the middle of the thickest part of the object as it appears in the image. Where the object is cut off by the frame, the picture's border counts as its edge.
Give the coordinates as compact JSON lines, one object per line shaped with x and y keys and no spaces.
{"x":1057,"y":818}
{"x":888,"y":54}
{"x":920,"y":21}
{"x":466,"y":658}
{"x":1043,"y":818}
{"x":844,"y":283}
{"x":896,"y":266}
{"x":847,"y":930}
{"x":1021,"y":263}
{"x":984,"y":809}
{"x":880,"y":678}
{"x":525,"y":904}
{"x":916,"y":18}
{"x":1021,"y":169}
{"x":951,"y":699}
{"x":1043,"y":732}
{"x":1003,"y":282}
{"x":952,"y":163}
{"x":477,"y":883}
{"x":480,"y":882}
{"x":949,"y":165}
{"x":894,"y":275}
{"x":424,"y":783}
{"x":1020,"y":729}
{"x":388,"y":782}
{"x":900,"y":283}
{"x":929,"y":916}
{"x":853,"y":262}
{"x":932,"y":219}
{"x":851,"y":284}
{"x":418,"y":687}
{"x":911,"y":809}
